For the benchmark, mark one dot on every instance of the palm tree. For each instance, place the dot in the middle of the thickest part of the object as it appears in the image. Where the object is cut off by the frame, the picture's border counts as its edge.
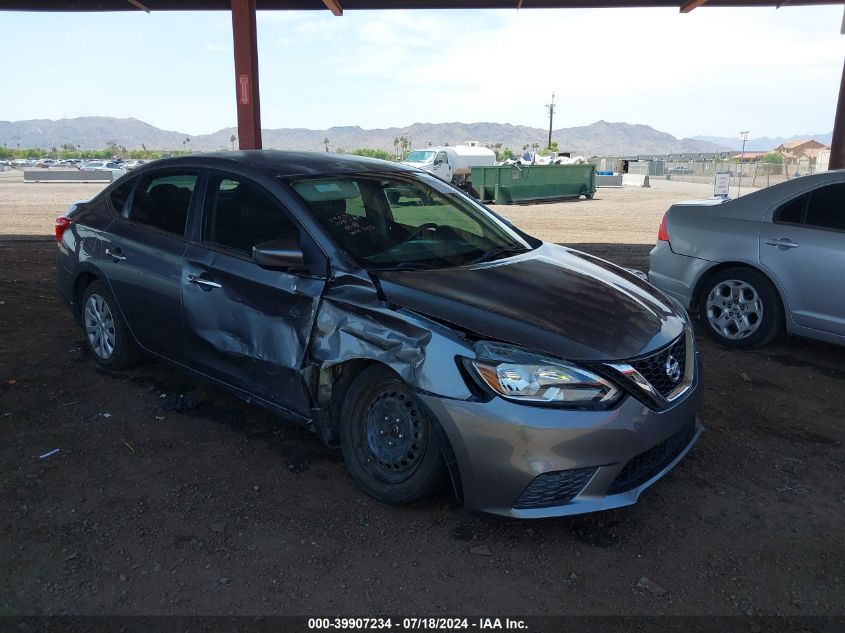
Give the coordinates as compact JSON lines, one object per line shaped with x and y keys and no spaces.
{"x":326,"y":143}
{"x":406,"y":144}
{"x":232,"y":140}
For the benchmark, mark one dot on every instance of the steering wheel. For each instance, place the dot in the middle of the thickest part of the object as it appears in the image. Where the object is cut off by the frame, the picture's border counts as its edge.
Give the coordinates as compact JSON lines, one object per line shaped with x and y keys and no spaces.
{"x":422,"y":227}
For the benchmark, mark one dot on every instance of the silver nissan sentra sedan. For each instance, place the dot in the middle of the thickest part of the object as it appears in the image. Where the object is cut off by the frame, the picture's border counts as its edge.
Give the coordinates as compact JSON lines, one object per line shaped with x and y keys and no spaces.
{"x":395,"y":317}
{"x":768,"y":262}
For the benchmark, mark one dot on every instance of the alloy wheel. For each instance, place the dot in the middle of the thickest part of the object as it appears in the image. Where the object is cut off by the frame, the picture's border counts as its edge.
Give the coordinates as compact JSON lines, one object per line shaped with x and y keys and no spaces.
{"x":734,"y":309}
{"x":99,"y":326}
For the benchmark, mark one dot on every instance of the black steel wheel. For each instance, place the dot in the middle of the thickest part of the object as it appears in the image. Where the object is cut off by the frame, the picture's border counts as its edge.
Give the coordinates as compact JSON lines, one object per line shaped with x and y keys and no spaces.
{"x":389,"y":443}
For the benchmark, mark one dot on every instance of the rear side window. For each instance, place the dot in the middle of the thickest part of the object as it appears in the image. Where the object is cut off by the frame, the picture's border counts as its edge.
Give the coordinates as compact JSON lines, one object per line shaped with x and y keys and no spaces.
{"x":827,"y":207}
{"x":119,"y":196}
{"x":793,"y":211}
{"x":238,"y":215}
{"x":162,"y":201}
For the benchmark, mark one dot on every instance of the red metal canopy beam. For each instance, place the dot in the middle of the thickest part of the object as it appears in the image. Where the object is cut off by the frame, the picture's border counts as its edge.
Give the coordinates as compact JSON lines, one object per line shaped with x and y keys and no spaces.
{"x":334,"y":6}
{"x":245,"y":39}
{"x":837,"y":145}
{"x":689,"y":5}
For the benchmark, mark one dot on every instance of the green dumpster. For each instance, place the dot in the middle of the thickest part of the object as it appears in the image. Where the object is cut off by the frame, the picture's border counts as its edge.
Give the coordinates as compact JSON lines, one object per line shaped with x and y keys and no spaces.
{"x":506,"y":184}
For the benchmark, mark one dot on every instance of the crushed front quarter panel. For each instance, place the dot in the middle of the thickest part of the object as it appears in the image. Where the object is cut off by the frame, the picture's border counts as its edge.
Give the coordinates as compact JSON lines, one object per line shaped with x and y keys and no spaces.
{"x":354,"y":323}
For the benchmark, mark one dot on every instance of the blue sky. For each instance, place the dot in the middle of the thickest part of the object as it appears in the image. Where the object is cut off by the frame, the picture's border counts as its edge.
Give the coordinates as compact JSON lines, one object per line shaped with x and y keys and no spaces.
{"x":714,"y":71}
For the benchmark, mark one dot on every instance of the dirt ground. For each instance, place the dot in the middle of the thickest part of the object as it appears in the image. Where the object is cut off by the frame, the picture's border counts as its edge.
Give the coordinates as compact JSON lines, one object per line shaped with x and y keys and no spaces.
{"x":226,"y":509}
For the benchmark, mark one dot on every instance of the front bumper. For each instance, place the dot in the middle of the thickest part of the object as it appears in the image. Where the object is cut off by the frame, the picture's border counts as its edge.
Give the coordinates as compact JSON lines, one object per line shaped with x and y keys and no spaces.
{"x":501,"y":447}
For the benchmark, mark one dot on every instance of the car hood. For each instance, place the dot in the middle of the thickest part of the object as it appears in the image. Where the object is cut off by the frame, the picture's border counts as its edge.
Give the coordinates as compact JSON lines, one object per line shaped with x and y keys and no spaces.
{"x":553,"y":300}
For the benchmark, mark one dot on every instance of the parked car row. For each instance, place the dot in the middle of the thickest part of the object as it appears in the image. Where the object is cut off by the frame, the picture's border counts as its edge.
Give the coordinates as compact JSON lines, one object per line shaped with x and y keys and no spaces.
{"x":116,"y":164}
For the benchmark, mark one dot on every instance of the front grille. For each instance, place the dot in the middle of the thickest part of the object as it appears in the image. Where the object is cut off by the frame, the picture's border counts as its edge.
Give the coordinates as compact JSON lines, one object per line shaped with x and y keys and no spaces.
{"x":554,"y":488}
{"x":647,"y":464}
{"x":653,"y":368}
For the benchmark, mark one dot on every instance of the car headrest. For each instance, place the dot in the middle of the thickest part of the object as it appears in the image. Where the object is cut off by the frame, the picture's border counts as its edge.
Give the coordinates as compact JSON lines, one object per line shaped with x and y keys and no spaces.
{"x":329,"y":208}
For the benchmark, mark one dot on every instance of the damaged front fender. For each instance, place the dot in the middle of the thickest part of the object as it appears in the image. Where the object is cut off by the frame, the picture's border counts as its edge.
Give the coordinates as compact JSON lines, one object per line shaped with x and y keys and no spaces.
{"x":354,"y":323}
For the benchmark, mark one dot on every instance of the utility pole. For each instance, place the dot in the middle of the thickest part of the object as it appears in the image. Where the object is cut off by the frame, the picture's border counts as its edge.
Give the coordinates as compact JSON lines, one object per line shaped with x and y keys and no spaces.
{"x":551,"y":108}
{"x":744,"y":137}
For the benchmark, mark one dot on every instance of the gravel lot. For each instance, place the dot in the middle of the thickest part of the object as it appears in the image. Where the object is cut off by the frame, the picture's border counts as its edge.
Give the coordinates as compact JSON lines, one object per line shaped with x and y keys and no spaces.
{"x":617,"y":216}
{"x":226,"y":509}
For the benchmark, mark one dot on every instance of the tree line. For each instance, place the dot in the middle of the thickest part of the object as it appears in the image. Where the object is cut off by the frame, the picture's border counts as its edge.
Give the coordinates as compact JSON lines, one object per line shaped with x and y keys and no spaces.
{"x":113,"y":149}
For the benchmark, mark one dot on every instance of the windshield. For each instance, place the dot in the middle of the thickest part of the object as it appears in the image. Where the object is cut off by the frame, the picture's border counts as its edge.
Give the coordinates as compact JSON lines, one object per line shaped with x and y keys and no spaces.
{"x":419,"y":222}
{"x":419,"y":156}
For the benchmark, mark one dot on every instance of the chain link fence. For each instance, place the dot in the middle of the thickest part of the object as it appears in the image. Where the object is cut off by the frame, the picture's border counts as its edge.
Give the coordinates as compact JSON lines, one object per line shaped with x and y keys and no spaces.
{"x":754,"y":174}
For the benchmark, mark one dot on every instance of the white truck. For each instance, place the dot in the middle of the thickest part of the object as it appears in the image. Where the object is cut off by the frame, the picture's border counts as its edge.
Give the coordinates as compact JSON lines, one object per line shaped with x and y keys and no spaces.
{"x":452,"y":164}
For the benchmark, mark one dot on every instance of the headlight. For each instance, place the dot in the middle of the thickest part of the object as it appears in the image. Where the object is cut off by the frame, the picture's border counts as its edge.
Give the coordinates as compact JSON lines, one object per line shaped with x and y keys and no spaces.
{"x":520,"y":376}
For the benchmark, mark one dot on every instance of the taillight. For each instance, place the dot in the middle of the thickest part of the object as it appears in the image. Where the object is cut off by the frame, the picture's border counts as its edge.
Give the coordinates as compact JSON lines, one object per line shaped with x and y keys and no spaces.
{"x":663,"y":232}
{"x":62,"y":224}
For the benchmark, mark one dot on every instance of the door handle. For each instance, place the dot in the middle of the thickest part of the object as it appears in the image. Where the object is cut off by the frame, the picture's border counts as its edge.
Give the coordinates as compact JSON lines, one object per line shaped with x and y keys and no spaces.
{"x":782,"y":243}
{"x":202,"y":281}
{"x":115,"y":255}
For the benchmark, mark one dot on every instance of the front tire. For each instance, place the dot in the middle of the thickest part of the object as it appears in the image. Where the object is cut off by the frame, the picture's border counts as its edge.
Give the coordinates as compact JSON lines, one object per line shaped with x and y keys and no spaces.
{"x":388,"y":440}
{"x":741,"y":309}
{"x":106,"y":334}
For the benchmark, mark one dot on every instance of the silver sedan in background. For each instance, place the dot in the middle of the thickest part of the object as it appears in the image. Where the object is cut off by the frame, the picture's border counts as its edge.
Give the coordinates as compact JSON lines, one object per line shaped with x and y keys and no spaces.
{"x":768,"y":262}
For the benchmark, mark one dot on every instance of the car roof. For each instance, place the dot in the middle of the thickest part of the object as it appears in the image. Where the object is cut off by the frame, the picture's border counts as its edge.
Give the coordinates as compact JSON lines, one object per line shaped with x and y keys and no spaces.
{"x":751,"y":205}
{"x":283,"y":163}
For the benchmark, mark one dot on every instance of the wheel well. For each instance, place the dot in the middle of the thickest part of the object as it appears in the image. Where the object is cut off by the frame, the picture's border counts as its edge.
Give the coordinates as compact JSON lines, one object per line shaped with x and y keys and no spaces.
{"x":339,"y":378}
{"x":699,"y":286}
{"x":82,"y":282}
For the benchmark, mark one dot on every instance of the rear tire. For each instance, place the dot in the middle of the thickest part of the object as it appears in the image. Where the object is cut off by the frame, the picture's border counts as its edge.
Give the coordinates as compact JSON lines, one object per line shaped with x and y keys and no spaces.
{"x":741,"y":308}
{"x":388,"y":440}
{"x":106,"y":334}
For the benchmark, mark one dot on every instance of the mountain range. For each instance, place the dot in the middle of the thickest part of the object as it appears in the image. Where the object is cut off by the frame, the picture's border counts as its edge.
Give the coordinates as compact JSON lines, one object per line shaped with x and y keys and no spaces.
{"x":763,"y":143}
{"x":600,"y":138}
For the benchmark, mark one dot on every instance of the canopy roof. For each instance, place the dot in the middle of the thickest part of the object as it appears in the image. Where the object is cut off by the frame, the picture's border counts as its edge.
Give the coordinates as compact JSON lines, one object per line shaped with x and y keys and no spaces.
{"x":338,"y":6}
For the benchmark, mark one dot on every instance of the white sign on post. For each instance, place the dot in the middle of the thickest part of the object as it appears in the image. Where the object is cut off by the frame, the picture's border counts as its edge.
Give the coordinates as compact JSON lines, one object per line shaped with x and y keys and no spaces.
{"x":722,"y":185}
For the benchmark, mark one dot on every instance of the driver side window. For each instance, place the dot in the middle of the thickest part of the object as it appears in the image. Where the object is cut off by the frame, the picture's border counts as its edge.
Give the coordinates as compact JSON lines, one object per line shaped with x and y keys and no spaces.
{"x":440,"y":158}
{"x":238,"y":215}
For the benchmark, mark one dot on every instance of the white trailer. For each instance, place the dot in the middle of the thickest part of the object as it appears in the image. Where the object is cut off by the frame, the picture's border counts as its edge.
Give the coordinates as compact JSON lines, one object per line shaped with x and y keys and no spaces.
{"x":452,"y":164}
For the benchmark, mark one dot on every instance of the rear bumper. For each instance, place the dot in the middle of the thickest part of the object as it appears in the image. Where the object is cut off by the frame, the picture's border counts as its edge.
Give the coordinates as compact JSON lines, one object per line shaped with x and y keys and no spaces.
{"x":64,"y":283}
{"x":676,"y":275}
{"x":501,"y":448}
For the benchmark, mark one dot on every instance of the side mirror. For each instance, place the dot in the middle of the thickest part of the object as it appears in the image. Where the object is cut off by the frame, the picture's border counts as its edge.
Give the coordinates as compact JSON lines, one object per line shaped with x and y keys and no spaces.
{"x":278,"y":254}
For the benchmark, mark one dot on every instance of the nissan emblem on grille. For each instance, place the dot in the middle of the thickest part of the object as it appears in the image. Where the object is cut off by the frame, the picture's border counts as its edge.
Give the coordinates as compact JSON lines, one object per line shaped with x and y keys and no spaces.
{"x":673,"y":369}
